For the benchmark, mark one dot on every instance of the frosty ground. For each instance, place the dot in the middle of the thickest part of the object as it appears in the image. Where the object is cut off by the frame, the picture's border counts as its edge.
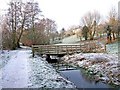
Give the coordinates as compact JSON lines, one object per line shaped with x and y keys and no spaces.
{"x":19,"y":70}
{"x":105,"y":67}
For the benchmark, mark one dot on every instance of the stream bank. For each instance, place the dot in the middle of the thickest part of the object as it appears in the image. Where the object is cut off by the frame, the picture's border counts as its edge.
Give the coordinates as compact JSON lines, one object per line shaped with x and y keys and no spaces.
{"x":80,"y":77}
{"x":105,"y":67}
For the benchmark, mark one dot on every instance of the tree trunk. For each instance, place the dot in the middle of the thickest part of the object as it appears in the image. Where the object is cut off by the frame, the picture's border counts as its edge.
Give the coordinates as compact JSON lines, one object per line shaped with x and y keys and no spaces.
{"x":14,"y":25}
{"x":18,"y":41}
{"x":91,"y":36}
{"x":85,"y":37}
{"x":18,"y":45}
{"x":14,"y":40}
{"x":113,"y":36}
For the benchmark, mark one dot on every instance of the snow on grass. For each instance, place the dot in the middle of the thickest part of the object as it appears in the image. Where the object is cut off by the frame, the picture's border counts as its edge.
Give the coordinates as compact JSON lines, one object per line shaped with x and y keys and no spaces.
{"x":113,"y":48}
{"x":106,"y":66}
{"x":70,"y":40}
{"x":43,"y":75}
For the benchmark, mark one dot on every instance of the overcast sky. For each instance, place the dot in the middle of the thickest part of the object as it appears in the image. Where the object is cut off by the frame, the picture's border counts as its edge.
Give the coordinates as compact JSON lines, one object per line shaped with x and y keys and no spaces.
{"x":69,"y":12}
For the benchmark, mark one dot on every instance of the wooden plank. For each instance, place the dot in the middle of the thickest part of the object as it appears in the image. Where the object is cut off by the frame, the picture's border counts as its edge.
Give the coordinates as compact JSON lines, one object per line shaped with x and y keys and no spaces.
{"x":56,"y":49}
{"x":63,"y":49}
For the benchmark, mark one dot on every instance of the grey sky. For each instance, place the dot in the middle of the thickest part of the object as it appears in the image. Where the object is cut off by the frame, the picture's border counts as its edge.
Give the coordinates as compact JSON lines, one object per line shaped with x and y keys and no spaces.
{"x":69,"y":12}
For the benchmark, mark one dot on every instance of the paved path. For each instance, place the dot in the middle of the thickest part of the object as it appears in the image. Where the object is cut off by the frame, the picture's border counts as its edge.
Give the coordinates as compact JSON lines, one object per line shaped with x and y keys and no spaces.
{"x":14,"y":74}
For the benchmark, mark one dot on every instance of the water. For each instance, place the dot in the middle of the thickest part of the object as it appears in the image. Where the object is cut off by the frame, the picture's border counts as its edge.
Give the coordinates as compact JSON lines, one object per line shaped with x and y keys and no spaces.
{"x":81,"y":79}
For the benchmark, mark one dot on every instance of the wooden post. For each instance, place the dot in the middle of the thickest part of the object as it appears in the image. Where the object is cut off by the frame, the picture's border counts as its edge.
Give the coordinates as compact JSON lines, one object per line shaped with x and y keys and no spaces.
{"x":67,"y":52}
{"x":33,"y":51}
{"x":76,"y":49}
{"x":105,"y":47}
{"x":57,"y":49}
{"x":71,"y":51}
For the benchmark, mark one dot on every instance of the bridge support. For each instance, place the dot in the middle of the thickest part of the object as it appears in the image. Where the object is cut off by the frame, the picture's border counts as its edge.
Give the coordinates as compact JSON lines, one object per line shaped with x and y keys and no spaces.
{"x":33,"y":52}
{"x":48,"y":58}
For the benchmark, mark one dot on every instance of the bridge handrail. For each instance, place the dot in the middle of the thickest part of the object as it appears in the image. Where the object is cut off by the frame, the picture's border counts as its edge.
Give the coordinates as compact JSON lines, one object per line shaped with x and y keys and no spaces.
{"x":63,"y":49}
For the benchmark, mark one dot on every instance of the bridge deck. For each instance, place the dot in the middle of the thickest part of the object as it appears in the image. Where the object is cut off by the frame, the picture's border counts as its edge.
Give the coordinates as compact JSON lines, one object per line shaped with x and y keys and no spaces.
{"x":56,"y":49}
{"x":63,"y":49}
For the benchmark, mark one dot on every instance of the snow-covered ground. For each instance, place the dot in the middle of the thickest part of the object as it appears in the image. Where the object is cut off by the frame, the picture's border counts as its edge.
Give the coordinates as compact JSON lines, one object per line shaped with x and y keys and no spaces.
{"x":105,"y":67}
{"x":43,"y":74}
{"x":113,"y":48}
{"x":20,"y":70}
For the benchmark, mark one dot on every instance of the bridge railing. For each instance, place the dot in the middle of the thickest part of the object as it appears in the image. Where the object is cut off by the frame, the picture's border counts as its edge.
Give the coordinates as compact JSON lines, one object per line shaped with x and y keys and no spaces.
{"x":56,"y":49}
{"x":67,"y":49}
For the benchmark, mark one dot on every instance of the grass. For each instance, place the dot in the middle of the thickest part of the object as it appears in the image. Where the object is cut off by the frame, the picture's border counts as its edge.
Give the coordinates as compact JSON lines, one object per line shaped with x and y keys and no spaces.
{"x":70,"y":40}
{"x":111,"y":48}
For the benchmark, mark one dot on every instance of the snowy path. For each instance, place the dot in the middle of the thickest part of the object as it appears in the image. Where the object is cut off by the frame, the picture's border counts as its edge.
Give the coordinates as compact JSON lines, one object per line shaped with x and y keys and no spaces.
{"x":14,"y":74}
{"x":24,"y":71}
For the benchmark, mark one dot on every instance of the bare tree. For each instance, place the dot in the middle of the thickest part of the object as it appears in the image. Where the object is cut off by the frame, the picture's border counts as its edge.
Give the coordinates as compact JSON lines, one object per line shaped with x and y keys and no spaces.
{"x":44,"y":32}
{"x":16,"y":17}
{"x":6,"y":35}
{"x":22,"y":21}
{"x":33,"y":11}
{"x":85,"y":32}
{"x":21,"y":16}
{"x":113,"y":21}
{"x":25,"y":16}
{"x":62,"y":33}
{"x":1,"y":20}
{"x":91,"y":20}
{"x":12,"y":20}
{"x":87,"y":19}
{"x":50,"y":29}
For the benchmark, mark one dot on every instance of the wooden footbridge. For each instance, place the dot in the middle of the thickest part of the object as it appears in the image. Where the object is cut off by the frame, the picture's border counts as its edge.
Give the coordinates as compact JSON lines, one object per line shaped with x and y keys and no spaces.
{"x":66,"y":49}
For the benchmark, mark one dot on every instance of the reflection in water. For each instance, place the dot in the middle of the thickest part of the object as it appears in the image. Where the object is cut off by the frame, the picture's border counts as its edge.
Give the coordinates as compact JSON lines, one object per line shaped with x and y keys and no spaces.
{"x":82,"y":79}
{"x":86,"y":76}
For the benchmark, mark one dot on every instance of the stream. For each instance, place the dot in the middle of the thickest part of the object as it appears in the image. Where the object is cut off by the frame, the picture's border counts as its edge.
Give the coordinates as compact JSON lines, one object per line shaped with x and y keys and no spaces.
{"x":80,"y":78}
